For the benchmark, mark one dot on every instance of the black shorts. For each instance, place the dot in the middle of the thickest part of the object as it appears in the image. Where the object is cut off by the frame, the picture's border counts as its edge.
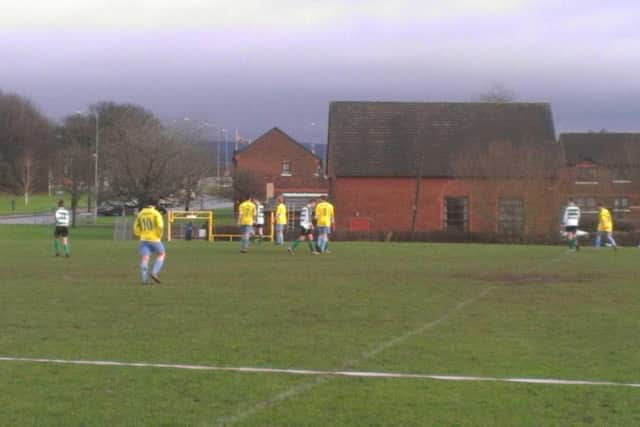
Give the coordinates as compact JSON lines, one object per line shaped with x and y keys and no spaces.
{"x":571,"y":228}
{"x":305,"y":231}
{"x":61,"y":231}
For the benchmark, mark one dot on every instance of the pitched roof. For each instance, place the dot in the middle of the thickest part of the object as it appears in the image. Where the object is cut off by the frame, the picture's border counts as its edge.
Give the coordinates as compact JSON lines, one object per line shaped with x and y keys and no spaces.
{"x":603,"y":148}
{"x":388,"y":138}
{"x":265,"y":137}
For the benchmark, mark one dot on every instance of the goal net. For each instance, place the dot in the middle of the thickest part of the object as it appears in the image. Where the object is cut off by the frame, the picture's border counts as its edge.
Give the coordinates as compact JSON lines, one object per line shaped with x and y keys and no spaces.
{"x":189,"y":225}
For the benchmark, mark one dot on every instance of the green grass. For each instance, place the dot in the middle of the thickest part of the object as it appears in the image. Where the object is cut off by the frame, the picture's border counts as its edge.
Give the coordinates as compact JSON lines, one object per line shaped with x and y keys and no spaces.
{"x":37,"y":203}
{"x":224,"y":216}
{"x":530,"y":312}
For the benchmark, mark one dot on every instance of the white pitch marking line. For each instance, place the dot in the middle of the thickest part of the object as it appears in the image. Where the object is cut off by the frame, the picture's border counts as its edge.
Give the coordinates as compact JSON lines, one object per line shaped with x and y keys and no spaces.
{"x":303,"y":388}
{"x":360,"y":374}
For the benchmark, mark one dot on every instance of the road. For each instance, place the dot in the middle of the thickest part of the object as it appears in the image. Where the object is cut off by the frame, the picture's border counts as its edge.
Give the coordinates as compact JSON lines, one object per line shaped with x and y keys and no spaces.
{"x":45,"y":218}
{"x":208,"y":202}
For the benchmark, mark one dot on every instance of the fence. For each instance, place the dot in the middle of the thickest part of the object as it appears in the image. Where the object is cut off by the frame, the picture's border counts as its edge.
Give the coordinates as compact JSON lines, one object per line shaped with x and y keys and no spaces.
{"x":123,"y":228}
{"x":622,"y":238}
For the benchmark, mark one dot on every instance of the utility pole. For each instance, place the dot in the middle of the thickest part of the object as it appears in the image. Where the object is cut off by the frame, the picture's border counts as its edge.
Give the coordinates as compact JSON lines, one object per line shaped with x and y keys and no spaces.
{"x":421,"y":143}
{"x":416,"y":197}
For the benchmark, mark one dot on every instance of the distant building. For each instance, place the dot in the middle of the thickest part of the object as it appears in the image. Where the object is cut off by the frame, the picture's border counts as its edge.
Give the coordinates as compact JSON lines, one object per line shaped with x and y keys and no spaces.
{"x":457,"y":167}
{"x":604,"y":167}
{"x":276,"y":164}
{"x":319,"y":150}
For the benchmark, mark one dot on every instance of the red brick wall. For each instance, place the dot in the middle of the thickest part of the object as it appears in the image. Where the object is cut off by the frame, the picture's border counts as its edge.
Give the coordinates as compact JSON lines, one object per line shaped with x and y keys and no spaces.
{"x":264,"y":158}
{"x":602,"y":188}
{"x":388,"y":202}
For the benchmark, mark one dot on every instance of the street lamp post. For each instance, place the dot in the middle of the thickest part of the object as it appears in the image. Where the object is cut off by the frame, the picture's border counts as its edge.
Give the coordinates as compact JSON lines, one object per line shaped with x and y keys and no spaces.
{"x":226,"y":150}
{"x":95,"y":177}
{"x":218,"y":164}
{"x":95,"y":160}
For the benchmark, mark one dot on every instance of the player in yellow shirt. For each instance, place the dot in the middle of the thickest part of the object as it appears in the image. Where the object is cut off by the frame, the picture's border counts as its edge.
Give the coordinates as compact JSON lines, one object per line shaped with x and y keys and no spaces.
{"x":149,"y":227}
{"x":605,"y":226}
{"x":281,"y":220}
{"x":246,"y":218}
{"x":325,"y":222}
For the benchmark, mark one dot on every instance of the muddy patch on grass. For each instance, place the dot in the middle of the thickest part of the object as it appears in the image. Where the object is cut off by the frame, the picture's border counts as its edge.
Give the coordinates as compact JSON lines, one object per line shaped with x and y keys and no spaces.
{"x":537,"y":278}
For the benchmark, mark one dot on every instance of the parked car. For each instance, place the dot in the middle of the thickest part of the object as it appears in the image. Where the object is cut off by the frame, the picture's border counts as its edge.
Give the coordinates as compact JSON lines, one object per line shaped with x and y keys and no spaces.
{"x":117,"y":207}
{"x":111,"y":208}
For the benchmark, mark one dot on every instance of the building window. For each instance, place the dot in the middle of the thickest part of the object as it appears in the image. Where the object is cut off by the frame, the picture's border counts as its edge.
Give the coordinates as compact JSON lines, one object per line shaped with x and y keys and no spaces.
{"x":587,"y":204}
{"x":456,"y":214}
{"x":587,"y":175}
{"x":511,"y":215}
{"x":620,"y":204}
{"x":285,"y":169}
{"x":621,"y":176}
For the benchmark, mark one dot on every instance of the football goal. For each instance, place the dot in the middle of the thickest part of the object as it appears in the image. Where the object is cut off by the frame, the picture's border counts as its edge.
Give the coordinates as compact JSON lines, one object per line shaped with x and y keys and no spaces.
{"x":189,"y":225}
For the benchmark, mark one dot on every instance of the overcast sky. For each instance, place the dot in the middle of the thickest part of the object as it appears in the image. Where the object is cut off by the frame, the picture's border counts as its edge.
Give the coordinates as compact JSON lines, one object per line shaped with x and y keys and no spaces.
{"x":255,"y":64}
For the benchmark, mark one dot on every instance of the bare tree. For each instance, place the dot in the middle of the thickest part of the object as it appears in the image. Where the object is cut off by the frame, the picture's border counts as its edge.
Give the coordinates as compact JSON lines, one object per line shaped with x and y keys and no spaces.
{"x":138,"y":156}
{"x":195,"y":161}
{"x":74,"y":153}
{"x":24,"y":145}
{"x":498,"y":93}
{"x":245,"y":184}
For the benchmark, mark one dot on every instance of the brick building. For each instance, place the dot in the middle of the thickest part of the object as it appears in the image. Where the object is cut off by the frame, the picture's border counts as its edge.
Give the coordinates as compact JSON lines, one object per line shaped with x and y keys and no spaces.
{"x":604,"y":167}
{"x":276,"y":164}
{"x":462,"y":167}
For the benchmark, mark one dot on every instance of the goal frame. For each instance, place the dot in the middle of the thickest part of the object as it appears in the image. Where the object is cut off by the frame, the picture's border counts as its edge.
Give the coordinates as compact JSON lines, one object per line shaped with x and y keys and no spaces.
{"x":189,"y":216}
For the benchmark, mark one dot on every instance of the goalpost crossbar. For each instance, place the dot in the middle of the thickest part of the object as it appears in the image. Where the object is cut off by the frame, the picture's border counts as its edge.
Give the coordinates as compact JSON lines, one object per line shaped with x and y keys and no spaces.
{"x":182,"y":216}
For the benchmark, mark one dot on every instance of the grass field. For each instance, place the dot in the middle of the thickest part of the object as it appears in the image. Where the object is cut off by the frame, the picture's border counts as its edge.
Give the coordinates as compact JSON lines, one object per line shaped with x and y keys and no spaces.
{"x":473,"y":310}
{"x":37,"y":203}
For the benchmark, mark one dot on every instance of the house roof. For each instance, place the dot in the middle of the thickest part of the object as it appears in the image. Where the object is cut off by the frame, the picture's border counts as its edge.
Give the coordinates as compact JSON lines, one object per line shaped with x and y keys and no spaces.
{"x":601,"y":148}
{"x":265,"y":137}
{"x":388,"y":139}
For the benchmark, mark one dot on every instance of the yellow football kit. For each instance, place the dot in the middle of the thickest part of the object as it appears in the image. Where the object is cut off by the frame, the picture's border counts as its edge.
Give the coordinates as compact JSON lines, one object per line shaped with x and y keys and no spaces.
{"x":324,"y":214}
{"x":605,"y":223}
{"x":246,"y":213}
{"x":149,"y":225}
{"x":281,"y":214}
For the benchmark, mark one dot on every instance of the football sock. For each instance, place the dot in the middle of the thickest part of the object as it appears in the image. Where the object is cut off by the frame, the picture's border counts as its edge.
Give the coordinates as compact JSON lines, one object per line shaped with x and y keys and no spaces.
{"x":144,"y":271}
{"x":311,"y":245}
{"x":321,"y":243}
{"x":613,"y":242}
{"x":295,"y":244}
{"x":66,"y":249}
{"x":56,"y":246}
{"x":157,"y":266}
